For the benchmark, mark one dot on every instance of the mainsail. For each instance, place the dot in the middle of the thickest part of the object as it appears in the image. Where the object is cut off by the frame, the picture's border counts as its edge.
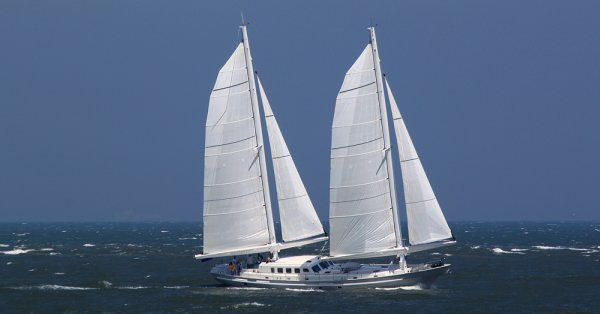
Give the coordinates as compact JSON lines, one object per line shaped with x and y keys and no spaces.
{"x":298,"y":217}
{"x":237,"y":206}
{"x":361,"y":209}
{"x":426,"y":222}
{"x":235,"y":210}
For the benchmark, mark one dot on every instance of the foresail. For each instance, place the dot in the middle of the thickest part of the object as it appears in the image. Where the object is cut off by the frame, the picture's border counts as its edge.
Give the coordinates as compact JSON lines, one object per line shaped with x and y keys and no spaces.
{"x":426,"y":222}
{"x":234,"y":204}
{"x":360,"y":208}
{"x":298,"y":217}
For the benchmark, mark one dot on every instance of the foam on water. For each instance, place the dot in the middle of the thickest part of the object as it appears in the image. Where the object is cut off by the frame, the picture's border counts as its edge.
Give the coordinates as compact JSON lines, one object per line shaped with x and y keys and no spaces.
{"x":245,"y":288}
{"x":303,"y":290}
{"x":16,"y":251}
{"x":89,"y":245}
{"x":4,"y":245}
{"x":498,"y":250}
{"x":51,"y":287}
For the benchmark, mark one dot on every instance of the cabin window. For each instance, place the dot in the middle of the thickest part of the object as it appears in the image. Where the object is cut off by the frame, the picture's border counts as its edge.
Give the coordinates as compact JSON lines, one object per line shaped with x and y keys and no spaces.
{"x":297,"y":270}
{"x":330,"y":263}
{"x":305,"y":270}
{"x":280,"y":270}
{"x":323,"y":265}
{"x":316,"y":268}
{"x":288,"y":270}
{"x":272,"y":270}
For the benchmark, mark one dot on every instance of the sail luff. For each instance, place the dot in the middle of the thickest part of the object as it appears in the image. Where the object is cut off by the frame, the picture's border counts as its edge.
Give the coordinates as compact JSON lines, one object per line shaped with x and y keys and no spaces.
{"x":298,"y":217}
{"x":426,"y":222}
{"x":386,"y":136}
{"x":259,"y":136}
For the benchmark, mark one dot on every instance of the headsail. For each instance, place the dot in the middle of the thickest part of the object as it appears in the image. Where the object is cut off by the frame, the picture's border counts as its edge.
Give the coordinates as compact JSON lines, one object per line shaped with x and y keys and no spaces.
{"x":360,"y":209}
{"x":426,"y":222}
{"x":299,"y":219}
{"x":234,"y":199}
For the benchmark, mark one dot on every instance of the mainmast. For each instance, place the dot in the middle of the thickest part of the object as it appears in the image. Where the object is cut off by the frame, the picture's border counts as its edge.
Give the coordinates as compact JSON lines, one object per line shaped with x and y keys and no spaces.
{"x":259,"y":136}
{"x":386,"y":137}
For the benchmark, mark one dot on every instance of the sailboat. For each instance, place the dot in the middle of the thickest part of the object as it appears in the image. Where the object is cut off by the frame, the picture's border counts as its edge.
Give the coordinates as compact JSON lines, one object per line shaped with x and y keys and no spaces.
{"x":363,"y":211}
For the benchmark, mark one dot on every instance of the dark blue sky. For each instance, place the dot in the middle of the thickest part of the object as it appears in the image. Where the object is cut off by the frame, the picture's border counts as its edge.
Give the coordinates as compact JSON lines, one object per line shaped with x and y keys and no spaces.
{"x":103,"y":103}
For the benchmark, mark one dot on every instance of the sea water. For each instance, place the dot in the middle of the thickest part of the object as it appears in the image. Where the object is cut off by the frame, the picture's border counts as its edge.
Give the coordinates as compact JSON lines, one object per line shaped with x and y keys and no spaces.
{"x":149,"y":267}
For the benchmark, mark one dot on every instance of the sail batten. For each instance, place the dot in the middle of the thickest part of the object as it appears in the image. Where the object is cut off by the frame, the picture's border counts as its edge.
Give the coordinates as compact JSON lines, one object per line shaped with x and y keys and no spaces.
{"x":426,"y":222}
{"x":298,"y":217}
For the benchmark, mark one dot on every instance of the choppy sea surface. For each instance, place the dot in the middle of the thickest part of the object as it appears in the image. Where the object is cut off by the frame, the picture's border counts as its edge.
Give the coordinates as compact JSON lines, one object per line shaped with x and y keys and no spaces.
{"x":149,"y":267}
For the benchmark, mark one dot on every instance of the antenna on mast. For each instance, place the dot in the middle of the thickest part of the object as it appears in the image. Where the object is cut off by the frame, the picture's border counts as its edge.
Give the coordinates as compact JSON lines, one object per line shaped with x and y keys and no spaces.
{"x":243,"y":21}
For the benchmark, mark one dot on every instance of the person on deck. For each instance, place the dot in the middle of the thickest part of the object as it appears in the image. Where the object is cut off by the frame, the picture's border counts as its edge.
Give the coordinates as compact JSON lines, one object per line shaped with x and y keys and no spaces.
{"x":250,"y":261}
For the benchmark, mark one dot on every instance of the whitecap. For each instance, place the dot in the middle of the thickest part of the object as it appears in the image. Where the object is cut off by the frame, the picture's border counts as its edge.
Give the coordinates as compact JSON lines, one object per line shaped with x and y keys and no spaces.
{"x":245,"y":288}
{"x":89,"y":245}
{"x":54,"y":253}
{"x":58,"y":274}
{"x":236,"y":306}
{"x":303,"y":290}
{"x":164,"y":231}
{"x":4,"y":245}
{"x":519,"y":250}
{"x":50,"y":287}
{"x":105,"y":283}
{"x":411,"y":288}
{"x":132,"y":287}
{"x":33,"y":269}
{"x":16,"y":251}
{"x":575,"y":249}
{"x":21,"y":234}
{"x":175,"y":287}
{"x":435,"y":253}
{"x":498,"y":250}
{"x":475,"y":247}
{"x":46,"y":249}
{"x":192,"y":238}
{"x":544,"y":247}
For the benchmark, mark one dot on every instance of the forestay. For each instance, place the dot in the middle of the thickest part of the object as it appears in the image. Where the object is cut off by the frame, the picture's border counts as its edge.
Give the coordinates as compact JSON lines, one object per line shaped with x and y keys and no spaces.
{"x":298,"y":217}
{"x":426,"y":222}
{"x":234,"y":202}
{"x":360,"y":209}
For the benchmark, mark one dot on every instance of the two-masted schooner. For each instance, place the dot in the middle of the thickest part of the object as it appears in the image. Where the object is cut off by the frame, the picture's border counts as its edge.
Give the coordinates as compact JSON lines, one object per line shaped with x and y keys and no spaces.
{"x":363,"y":211}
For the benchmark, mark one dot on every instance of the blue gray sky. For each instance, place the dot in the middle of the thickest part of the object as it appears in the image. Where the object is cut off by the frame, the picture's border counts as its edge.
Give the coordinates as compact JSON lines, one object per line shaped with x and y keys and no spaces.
{"x":102,"y":103}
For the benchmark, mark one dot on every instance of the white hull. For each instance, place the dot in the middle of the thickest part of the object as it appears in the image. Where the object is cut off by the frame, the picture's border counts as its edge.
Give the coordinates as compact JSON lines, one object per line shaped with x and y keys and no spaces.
{"x":368,"y":276}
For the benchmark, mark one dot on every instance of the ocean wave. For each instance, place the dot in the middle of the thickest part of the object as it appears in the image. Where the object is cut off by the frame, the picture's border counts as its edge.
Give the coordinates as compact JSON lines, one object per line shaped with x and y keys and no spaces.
{"x":192,"y":238}
{"x":132,"y":287}
{"x":175,"y":287}
{"x":51,"y":287}
{"x":89,"y":245}
{"x":17,"y":251}
{"x":4,"y":245}
{"x":164,"y":231}
{"x":475,"y":247}
{"x":303,"y":290}
{"x":46,"y":249}
{"x":21,"y":234}
{"x":544,"y":247}
{"x":245,"y":304}
{"x":410,"y":288}
{"x":245,"y":288}
{"x":498,"y":250}
{"x":519,"y":250}
{"x":58,"y":274}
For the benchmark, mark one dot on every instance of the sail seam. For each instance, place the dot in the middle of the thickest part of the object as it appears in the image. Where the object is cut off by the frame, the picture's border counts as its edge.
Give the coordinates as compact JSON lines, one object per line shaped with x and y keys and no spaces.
{"x":235,"y":212}
{"x":233,"y":152}
{"x":354,"y":155}
{"x":431,"y":199}
{"x":350,"y":125}
{"x":416,"y":158}
{"x":359,"y":199}
{"x":212,"y":146}
{"x":230,"y":122}
{"x":355,"y":88}
{"x":361,"y":214}
{"x":358,"y":144}
{"x":355,"y":185}
{"x":354,"y":96}
{"x":230,"y":198}
{"x":288,"y":155}
{"x":230,"y":86}
{"x":293,"y":197}
{"x":233,"y":182}
{"x":228,"y":94}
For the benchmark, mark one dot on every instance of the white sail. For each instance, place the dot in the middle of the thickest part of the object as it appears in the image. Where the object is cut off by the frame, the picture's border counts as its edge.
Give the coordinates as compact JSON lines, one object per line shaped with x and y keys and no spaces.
{"x":426,"y":222}
{"x":298,"y":217}
{"x":234,"y":197}
{"x":360,"y":209}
